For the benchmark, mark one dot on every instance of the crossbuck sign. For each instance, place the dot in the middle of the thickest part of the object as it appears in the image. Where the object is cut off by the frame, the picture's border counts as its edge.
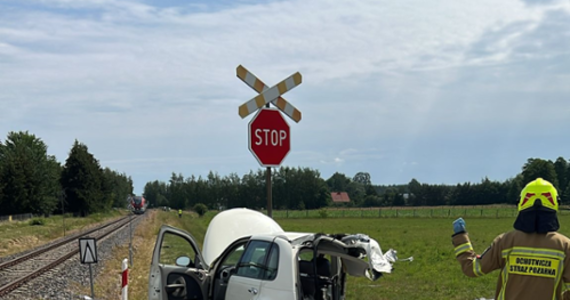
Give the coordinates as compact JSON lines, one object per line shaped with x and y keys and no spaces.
{"x":269,"y":94}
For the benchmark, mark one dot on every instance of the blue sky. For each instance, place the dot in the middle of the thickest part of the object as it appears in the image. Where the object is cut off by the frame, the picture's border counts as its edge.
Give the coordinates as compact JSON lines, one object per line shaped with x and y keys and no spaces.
{"x":444,"y":92}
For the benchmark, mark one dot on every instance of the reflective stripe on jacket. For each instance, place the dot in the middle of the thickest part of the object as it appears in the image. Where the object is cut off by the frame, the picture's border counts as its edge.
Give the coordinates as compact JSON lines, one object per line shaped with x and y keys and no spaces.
{"x":532,"y":266}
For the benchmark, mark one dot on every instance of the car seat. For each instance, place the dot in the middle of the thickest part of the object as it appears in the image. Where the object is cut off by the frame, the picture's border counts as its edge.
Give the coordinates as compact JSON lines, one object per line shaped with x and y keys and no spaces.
{"x":324,"y":281}
{"x":307,"y":275}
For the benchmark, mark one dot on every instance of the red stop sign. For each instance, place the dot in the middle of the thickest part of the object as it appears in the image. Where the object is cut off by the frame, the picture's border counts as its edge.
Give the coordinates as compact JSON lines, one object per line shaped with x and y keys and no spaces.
{"x":269,"y":137}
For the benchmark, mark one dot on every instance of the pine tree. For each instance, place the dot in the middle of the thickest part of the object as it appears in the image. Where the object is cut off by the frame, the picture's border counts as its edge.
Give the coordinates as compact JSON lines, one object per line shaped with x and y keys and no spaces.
{"x":81,"y":179}
{"x":29,"y":176}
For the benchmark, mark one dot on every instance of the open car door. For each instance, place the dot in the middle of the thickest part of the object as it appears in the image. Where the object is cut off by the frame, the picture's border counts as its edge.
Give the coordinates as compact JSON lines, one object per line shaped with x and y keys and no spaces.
{"x":177,"y":270}
{"x":352,"y":250}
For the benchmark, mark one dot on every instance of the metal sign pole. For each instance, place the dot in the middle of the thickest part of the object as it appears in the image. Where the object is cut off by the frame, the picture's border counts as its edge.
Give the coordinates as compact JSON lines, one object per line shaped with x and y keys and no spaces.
{"x":269,"y":198}
{"x":131,"y":239}
{"x":88,"y":255}
{"x":91,"y":276}
{"x":268,"y":184}
{"x":62,"y":195}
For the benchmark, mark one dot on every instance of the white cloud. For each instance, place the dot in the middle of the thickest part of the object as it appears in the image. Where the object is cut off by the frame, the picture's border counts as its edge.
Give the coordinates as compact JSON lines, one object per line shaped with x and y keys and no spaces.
{"x":377,"y":75}
{"x":348,"y":151}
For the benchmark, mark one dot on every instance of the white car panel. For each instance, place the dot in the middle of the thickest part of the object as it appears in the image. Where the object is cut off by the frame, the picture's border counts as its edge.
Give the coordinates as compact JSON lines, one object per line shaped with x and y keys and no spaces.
{"x":283,"y":286}
{"x":243,"y":288}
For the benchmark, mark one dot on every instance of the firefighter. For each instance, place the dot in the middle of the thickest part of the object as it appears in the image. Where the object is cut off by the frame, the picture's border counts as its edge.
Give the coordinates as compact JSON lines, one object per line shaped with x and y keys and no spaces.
{"x":533,"y":259}
{"x":179,"y":213}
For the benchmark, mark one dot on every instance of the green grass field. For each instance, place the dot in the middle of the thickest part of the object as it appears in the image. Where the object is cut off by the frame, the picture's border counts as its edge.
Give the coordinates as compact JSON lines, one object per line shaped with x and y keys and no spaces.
{"x":434,"y":273}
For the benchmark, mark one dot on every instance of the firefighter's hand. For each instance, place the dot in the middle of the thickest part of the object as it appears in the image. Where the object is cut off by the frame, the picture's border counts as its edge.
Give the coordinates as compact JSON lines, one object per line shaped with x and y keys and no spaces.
{"x":459,"y":226}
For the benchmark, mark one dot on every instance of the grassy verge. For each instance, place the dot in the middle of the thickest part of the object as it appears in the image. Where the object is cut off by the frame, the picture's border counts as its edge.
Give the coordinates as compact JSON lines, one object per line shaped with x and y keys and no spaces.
{"x":108,"y":282}
{"x":19,"y":236}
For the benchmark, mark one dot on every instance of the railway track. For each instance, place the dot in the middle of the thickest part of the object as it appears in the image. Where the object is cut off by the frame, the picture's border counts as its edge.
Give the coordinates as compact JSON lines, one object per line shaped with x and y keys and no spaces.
{"x":18,"y":271}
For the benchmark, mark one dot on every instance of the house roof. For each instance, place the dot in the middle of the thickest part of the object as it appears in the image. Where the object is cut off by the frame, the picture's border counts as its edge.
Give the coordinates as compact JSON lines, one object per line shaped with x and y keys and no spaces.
{"x":340,"y":197}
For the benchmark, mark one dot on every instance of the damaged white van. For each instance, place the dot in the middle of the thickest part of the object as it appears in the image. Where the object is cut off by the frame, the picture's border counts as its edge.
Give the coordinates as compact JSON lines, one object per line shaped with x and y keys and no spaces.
{"x":246,"y":255}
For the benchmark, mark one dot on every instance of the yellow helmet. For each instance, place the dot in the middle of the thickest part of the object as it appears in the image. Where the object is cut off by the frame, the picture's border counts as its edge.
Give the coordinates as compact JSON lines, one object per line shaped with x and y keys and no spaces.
{"x":539,"y":189}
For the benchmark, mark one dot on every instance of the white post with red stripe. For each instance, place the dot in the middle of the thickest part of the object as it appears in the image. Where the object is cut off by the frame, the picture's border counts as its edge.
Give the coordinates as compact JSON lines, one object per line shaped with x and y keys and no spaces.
{"x":125,"y":280}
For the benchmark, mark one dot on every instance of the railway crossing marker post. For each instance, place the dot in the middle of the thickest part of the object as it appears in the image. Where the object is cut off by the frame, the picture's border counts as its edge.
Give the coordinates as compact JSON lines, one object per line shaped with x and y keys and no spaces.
{"x":88,"y":255}
{"x":125,"y":281}
{"x":271,"y":150}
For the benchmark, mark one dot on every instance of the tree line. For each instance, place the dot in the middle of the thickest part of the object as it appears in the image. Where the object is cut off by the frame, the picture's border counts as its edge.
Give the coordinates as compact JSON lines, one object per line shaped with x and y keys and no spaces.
{"x":31,"y":181}
{"x":299,"y":188}
{"x":303,"y":188}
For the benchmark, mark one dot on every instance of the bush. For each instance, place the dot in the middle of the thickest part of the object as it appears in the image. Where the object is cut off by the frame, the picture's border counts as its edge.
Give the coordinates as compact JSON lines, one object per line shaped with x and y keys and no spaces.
{"x":200,"y":209}
{"x":323,"y":213}
{"x":37,"y":221}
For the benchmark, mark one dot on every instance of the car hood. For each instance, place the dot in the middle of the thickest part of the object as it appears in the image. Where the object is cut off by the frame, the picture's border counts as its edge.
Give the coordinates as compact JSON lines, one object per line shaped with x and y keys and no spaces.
{"x":230,"y":225}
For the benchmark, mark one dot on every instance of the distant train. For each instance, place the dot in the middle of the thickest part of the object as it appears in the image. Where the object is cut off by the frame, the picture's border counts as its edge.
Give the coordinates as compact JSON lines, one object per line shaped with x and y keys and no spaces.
{"x":137,"y":204}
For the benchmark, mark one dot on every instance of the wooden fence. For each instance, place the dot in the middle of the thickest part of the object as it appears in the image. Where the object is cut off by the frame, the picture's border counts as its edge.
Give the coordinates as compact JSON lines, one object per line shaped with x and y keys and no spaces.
{"x":407,"y":212}
{"x":19,"y":217}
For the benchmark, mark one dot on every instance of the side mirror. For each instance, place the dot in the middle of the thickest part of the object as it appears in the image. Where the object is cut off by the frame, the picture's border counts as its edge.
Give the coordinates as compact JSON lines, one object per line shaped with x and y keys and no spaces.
{"x":183,"y":261}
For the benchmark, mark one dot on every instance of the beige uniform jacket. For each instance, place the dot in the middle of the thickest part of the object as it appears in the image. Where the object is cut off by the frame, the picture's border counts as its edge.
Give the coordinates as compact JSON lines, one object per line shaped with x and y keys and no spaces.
{"x":533,"y":266}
